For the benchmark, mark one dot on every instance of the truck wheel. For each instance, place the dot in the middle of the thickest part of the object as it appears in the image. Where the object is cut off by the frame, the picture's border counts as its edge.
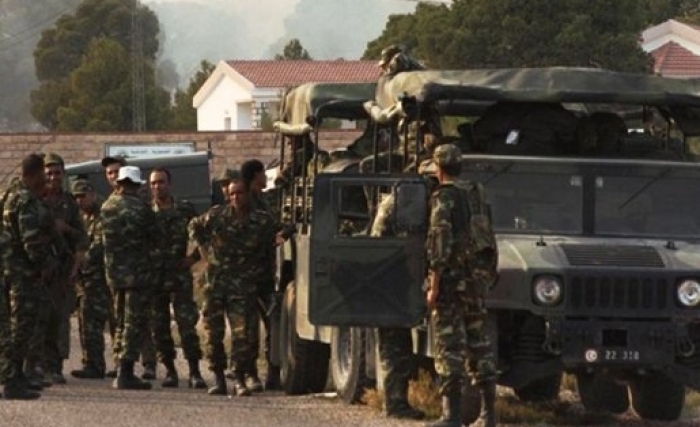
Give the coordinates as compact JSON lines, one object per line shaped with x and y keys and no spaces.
{"x":601,"y":394}
{"x":656,"y":397}
{"x":304,"y":364}
{"x":542,"y":390}
{"x":348,"y":363}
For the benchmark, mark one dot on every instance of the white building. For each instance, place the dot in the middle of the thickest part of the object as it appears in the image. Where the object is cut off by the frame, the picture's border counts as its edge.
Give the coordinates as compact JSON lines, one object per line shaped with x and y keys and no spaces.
{"x":675,"y":47}
{"x":239,"y":94}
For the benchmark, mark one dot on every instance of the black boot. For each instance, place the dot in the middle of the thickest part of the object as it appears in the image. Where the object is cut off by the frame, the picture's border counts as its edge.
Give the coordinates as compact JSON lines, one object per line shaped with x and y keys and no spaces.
{"x":396,"y":397}
{"x":272,"y":381}
{"x":254,"y":383}
{"x":89,"y":372}
{"x":487,"y":418}
{"x":149,"y":371}
{"x":57,"y":373}
{"x":196,"y":380}
{"x":112,"y":373}
{"x":33,"y":376}
{"x":451,"y":411}
{"x":126,"y":380}
{"x":171,"y":377}
{"x":239,"y":387}
{"x":17,"y":386}
{"x":219,"y":388}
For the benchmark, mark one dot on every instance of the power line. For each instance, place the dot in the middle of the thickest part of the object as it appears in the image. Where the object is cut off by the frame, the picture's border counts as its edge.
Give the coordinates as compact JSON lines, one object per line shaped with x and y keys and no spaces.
{"x":30,"y":37}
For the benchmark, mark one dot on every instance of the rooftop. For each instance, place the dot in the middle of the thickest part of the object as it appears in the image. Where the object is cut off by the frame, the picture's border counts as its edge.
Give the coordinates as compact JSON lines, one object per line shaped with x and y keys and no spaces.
{"x":673,"y":60}
{"x":285,"y":73}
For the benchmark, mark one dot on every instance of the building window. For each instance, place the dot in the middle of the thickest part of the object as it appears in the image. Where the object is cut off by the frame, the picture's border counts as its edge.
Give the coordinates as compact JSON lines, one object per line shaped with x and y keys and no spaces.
{"x":227,"y":123}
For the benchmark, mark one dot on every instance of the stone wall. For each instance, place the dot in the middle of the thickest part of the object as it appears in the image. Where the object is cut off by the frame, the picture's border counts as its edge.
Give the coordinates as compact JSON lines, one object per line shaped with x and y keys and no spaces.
{"x":229,"y":148}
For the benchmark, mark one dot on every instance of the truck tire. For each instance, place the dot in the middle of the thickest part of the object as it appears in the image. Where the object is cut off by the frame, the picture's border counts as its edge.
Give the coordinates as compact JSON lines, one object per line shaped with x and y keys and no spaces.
{"x":348,"y":363}
{"x":601,"y":394}
{"x":304,"y":363}
{"x":542,"y":390}
{"x":656,"y":397}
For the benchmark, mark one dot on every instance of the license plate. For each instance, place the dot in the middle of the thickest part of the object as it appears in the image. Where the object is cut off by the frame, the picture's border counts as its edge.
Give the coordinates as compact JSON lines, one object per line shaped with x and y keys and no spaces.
{"x":612,"y":355}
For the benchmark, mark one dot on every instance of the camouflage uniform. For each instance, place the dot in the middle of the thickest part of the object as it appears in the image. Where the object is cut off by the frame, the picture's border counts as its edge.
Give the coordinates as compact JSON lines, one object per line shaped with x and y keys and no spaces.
{"x":128,"y":235}
{"x":62,"y":297}
{"x":239,"y":252}
{"x":175,"y":286}
{"x":4,"y":315}
{"x":466,"y":264}
{"x":395,"y":344}
{"x":95,"y":298}
{"x":30,"y":254}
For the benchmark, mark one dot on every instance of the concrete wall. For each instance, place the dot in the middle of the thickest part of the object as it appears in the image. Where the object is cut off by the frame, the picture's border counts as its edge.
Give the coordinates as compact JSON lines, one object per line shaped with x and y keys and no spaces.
{"x":229,"y":148}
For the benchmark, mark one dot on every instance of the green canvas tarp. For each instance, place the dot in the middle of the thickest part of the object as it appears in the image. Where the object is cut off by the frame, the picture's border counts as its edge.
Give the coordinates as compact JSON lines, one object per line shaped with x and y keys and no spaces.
{"x":336,"y":100}
{"x":556,"y":84}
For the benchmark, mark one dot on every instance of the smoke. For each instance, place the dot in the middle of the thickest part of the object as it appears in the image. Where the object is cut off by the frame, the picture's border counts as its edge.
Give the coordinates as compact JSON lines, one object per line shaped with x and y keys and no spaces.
{"x":194,"y":30}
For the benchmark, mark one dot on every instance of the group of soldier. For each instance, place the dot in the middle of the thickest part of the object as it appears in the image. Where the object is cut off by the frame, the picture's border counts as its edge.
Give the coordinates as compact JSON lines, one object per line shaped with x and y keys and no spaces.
{"x":126,"y":265}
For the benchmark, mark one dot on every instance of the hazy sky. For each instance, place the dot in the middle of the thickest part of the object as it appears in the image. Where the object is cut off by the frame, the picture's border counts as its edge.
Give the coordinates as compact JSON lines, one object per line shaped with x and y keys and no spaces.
{"x":257,"y":29}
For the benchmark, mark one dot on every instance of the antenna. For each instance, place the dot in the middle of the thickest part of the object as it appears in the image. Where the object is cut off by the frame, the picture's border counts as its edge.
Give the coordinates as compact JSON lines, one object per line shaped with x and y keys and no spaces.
{"x":138,"y":101}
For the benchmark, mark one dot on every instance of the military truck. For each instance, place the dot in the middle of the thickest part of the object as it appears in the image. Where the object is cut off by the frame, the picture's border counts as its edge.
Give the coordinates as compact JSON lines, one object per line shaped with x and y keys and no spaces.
{"x":190,"y":175}
{"x":596,"y":223}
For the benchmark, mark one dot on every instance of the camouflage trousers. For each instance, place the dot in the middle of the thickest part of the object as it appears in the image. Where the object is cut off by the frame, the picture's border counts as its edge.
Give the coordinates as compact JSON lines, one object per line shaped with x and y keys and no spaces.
{"x":50,"y":343}
{"x":186,"y":317}
{"x":460,"y":336}
{"x":5,"y":336}
{"x":263,"y":304}
{"x":94,"y":311}
{"x":24,"y":306}
{"x":132,"y":316}
{"x":398,"y":363}
{"x":244,"y":322}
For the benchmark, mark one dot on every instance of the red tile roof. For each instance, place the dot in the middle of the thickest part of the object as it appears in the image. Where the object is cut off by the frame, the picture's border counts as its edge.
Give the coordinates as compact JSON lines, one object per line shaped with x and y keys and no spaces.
{"x":272,"y":73}
{"x":673,"y":60}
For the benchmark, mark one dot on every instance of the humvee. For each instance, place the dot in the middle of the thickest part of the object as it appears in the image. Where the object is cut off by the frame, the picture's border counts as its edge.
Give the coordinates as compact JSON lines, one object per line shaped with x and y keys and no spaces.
{"x":190,"y":176}
{"x":596,"y":224}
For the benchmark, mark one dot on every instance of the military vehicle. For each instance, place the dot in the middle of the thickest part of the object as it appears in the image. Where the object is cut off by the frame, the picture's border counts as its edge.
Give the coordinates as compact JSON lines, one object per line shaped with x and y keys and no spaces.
{"x":190,"y":175}
{"x":597,"y":226}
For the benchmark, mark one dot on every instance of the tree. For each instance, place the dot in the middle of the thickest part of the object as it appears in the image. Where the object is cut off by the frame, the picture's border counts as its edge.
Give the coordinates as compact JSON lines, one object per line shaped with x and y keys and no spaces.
{"x":512,"y":33}
{"x":293,"y":50}
{"x":73,"y":59}
{"x":184,"y":114}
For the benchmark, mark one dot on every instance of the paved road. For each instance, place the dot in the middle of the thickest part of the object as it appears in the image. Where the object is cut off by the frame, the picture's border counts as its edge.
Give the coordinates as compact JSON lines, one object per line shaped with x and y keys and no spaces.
{"x":94,"y":403}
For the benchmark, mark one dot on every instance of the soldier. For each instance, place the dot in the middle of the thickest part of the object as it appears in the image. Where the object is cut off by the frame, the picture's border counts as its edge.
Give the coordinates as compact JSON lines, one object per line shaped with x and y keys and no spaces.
{"x":175,"y":285}
{"x":128,"y":234}
{"x":111,"y":166}
{"x":253,"y":174}
{"x":94,"y":308}
{"x":223,"y":180}
{"x":237,"y":242}
{"x":462,"y":258}
{"x":28,"y":265}
{"x":394,"y":60}
{"x":71,"y":243}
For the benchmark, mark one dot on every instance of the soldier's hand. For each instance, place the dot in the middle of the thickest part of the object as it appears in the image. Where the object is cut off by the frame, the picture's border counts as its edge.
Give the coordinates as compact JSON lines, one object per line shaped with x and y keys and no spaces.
{"x":431,"y":297}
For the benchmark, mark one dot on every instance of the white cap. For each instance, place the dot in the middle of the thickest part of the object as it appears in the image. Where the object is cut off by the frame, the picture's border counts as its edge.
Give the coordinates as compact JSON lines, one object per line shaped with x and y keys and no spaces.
{"x":132,"y":173}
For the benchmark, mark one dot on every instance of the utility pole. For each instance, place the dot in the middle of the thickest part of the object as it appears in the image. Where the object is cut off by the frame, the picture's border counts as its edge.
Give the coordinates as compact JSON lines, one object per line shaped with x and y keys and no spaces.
{"x":138,"y":91}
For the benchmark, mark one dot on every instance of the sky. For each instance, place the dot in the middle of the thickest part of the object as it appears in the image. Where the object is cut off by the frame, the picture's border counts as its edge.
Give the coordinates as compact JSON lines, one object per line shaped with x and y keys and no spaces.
{"x":217,"y":30}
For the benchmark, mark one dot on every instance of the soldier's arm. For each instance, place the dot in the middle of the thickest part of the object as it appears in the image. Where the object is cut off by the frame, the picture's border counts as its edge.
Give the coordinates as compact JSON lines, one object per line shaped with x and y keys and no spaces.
{"x":440,"y":233}
{"x":34,"y":239}
{"x":198,"y":232}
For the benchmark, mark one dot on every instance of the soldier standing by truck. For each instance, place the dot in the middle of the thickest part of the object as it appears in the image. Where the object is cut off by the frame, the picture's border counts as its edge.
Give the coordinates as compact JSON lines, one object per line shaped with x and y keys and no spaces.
{"x":462,"y":257}
{"x":237,"y":242}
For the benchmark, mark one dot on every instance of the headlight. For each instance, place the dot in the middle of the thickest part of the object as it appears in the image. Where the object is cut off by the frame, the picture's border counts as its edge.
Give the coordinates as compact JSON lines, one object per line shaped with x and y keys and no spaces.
{"x":547,"y":290}
{"x":689,"y":293}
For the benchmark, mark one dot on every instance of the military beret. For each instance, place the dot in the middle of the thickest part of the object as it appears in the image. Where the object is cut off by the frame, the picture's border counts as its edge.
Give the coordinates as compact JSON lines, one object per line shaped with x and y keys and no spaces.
{"x":108,"y":160}
{"x":53,"y":159}
{"x":447,"y":154}
{"x":80,"y":187}
{"x":228,"y":175}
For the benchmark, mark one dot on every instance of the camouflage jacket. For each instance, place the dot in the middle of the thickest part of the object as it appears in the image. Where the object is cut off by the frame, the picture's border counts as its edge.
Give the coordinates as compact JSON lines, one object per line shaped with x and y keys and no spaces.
{"x":63,"y":206}
{"x":31,"y":228}
{"x":239,"y":252}
{"x":461,"y":244}
{"x":93,"y":273}
{"x":172,"y":224}
{"x":130,"y":240}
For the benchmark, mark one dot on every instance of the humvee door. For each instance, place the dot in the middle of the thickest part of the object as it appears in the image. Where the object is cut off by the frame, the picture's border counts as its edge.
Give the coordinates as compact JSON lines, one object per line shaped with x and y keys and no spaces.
{"x":360,"y":280}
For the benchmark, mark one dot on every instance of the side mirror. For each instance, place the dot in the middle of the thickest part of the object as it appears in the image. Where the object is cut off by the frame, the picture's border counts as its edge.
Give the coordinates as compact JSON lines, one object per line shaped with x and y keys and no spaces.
{"x":411,"y":213}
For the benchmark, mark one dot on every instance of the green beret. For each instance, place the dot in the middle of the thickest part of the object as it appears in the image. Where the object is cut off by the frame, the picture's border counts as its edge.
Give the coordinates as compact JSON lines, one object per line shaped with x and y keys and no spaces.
{"x":53,"y":159}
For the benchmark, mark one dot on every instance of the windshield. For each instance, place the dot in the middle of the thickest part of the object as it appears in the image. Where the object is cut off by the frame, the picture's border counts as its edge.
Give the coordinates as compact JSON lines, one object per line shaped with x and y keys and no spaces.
{"x":648,"y":202}
{"x":532,"y":198}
